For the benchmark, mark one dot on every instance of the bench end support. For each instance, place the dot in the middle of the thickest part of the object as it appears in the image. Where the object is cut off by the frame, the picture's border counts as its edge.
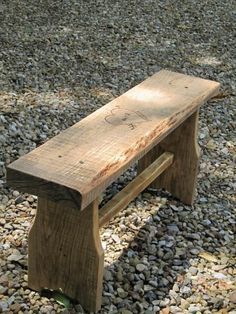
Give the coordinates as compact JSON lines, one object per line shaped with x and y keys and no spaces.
{"x":65,"y":252}
{"x":180,"y":178}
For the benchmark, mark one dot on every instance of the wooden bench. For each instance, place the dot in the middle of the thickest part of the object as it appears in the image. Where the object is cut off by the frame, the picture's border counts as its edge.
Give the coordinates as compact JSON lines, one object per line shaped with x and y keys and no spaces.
{"x":154,"y":123}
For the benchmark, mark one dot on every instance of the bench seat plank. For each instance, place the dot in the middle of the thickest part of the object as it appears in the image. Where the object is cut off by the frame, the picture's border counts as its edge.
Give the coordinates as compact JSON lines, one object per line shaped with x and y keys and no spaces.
{"x":79,"y":163}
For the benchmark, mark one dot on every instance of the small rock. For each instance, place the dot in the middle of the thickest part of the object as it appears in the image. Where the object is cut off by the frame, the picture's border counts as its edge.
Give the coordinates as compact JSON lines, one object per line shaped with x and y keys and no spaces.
{"x":104,"y":245}
{"x":206,"y":222}
{"x":166,"y":310}
{"x":148,"y":288}
{"x":15,"y":256}
{"x":177,"y":262}
{"x":185,"y":290}
{"x":156,"y":302}
{"x":140,"y":267}
{"x":126,"y":312}
{"x":115,"y":238}
{"x":193,"y":270}
{"x":153,"y":283}
{"x":164,"y":302}
{"x":19,"y":199}
{"x":194,"y":308}
{"x":108,"y":275}
{"x":219,"y":276}
{"x":15,"y":307}
{"x":168,"y":255}
{"x":134,"y":261}
{"x":225,"y":151}
{"x":119,"y":276}
{"x":193,"y":236}
{"x":175,"y":208}
{"x":2,"y":221}
{"x":3,"y":306}
{"x":211,"y":144}
{"x":232,"y":297}
{"x":138,"y":287}
{"x":147,"y":195}
{"x":194,"y":251}
{"x":177,"y":310}
{"x":184,"y":304}
{"x":15,"y":193}
{"x":3,"y":290}
{"x":218,"y":303}
{"x":121,"y":293}
{"x":139,"y":307}
{"x":173,"y":229}
{"x":105,"y":301}
{"x":164,"y":282}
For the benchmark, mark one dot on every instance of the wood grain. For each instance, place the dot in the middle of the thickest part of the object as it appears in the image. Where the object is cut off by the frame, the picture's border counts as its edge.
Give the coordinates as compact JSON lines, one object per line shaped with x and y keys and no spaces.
{"x":84,"y":159}
{"x":65,"y":252}
{"x":180,"y":177}
{"x":125,"y":196}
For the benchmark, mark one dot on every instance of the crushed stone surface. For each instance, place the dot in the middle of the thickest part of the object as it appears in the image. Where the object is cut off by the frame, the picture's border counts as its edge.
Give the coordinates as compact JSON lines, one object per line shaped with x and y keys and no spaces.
{"x":60,"y":61}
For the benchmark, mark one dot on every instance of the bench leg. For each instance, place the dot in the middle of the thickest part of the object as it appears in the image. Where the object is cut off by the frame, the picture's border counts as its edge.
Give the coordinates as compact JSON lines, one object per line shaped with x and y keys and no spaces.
{"x":180,"y":178}
{"x":65,"y":252}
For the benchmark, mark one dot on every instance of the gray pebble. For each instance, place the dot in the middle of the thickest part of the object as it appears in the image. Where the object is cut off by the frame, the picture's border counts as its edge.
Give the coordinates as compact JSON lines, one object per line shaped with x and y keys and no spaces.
{"x":140,"y":267}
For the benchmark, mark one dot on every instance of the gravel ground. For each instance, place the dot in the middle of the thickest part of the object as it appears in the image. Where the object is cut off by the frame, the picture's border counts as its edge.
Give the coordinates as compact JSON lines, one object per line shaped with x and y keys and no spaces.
{"x":59,"y":61}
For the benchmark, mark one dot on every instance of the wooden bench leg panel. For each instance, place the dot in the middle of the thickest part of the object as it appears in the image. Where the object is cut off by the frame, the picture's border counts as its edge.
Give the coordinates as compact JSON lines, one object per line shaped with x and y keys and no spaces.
{"x":180,"y":178}
{"x":65,"y":252}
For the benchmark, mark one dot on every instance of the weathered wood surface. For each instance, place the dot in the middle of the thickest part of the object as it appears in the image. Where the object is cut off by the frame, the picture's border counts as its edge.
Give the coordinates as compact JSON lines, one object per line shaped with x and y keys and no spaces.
{"x":125,"y":196}
{"x":78,"y":164}
{"x":180,"y":178}
{"x":65,"y":252}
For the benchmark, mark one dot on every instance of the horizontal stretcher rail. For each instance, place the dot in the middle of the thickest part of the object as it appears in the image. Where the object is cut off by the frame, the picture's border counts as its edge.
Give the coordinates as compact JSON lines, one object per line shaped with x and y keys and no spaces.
{"x":132,"y":190}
